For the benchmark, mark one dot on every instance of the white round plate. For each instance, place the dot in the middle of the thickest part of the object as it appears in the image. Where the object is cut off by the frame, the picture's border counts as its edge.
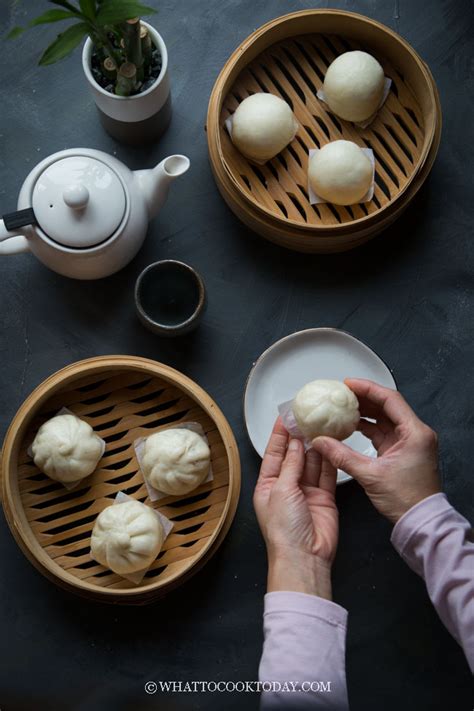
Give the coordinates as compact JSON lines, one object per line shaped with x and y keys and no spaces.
{"x":292,"y":362}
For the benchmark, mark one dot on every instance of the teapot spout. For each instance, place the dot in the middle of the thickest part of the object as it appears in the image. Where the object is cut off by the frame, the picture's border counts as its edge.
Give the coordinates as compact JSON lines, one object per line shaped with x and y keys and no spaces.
{"x":154,"y":184}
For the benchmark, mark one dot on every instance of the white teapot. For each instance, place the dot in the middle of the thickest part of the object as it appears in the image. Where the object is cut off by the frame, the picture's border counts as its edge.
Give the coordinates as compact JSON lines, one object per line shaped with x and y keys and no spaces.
{"x":84,"y":214}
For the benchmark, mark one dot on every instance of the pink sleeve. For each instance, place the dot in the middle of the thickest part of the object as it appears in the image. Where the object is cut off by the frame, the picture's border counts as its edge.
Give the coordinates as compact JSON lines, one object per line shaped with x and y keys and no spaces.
{"x":303,"y":660}
{"x":437,"y":543}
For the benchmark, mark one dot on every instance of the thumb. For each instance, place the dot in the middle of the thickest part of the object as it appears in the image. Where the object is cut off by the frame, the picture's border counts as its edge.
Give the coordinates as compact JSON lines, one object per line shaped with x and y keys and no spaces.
{"x":293,"y":464}
{"x":342,"y":457}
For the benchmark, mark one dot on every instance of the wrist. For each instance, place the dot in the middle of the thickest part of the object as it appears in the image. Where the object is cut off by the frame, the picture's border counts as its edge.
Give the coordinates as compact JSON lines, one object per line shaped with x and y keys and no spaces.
{"x":410,"y":501}
{"x":295,"y":571}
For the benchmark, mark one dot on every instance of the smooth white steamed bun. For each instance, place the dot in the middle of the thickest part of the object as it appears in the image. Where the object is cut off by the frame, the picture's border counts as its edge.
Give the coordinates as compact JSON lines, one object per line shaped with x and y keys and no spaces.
{"x":175,"y":461}
{"x":127,"y":537}
{"x":326,"y":407}
{"x":354,"y":86}
{"x":340,"y":173}
{"x":66,"y":448}
{"x":262,"y":125}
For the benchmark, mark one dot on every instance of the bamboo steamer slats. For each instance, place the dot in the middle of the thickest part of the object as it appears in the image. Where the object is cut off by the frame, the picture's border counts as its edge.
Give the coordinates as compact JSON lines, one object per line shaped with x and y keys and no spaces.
{"x":122,"y":398}
{"x":289,"y":57}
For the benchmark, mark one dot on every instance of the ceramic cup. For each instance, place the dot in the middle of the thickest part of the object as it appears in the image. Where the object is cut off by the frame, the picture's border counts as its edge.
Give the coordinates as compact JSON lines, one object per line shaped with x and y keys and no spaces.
{"x":170,"y":298}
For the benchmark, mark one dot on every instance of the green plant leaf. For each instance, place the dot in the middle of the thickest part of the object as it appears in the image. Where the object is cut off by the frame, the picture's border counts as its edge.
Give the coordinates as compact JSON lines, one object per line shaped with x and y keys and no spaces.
{"x":88,"y":8}
{"x":114,"y":11}
{"x":52,"y":16}
{"x":64,"y":43}
{"x":15,"y":32}
{"x":64,"y":3}
{"x":46,"y":18}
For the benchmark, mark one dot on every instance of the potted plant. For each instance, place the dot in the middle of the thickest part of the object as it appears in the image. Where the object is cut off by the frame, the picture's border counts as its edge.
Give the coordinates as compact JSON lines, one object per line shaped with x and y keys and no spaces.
{"x":125,"y":62}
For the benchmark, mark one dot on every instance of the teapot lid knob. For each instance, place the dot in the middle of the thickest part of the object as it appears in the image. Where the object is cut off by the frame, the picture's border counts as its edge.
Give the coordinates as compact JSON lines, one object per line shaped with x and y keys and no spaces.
{"x":76,"y":196}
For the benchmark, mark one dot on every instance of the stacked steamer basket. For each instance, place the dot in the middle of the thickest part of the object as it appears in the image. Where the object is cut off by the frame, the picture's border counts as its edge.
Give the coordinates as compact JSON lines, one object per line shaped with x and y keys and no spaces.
{"x":289,"y":57}
{"x":122,"y":398}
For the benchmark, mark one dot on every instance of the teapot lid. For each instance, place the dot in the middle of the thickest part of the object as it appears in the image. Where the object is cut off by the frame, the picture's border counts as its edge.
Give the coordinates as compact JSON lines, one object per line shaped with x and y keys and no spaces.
{"x":79,"y":201}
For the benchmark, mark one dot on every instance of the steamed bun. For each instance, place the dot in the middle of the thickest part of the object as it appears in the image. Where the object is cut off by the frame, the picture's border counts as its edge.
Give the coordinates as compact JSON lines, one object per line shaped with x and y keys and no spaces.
{"x":262,"y":125}
{"x":354,"y":85}
{"x":175,"y":461}
{"x":340,"y":173}
{"x":66,"y":448}
{"x":127,"y":537}
{"x":326,"y":407}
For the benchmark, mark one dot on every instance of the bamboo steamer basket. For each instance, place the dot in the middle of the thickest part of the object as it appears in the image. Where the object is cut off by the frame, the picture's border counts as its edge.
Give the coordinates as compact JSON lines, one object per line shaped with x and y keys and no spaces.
{"x":322,"y":245}
{"x":122,"y":398}
{"x":289,"y":57}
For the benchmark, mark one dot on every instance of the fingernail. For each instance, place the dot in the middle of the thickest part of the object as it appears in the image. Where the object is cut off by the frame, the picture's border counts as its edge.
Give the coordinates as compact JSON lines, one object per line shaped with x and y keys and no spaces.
{"x":294,"y":445}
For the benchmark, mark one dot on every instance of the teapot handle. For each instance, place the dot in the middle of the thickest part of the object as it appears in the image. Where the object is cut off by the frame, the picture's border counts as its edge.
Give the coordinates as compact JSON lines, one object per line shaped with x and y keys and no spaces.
{"x":12,"y":243}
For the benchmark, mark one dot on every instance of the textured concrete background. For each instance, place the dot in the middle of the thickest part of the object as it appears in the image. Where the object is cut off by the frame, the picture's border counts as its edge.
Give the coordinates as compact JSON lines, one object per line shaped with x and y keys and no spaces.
{"x":408,"y":294}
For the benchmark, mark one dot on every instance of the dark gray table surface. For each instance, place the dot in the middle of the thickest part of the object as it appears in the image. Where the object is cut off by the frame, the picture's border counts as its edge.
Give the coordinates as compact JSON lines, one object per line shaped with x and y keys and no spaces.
{"x":408,"y":294}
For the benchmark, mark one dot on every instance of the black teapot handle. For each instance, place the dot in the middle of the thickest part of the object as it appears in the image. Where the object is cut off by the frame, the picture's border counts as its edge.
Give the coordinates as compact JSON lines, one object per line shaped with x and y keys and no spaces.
{"x":20,"y":218}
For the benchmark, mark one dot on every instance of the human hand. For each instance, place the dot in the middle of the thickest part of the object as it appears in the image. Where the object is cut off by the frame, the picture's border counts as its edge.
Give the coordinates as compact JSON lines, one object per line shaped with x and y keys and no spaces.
{"x":294,"y":500}
{"x":406,"y":469}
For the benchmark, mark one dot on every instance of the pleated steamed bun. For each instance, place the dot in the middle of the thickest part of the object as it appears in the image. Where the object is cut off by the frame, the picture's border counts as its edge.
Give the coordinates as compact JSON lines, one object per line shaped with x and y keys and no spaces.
{"x":175,"y":461}
{"x":326,"y":407}
{"x":262,"y":125}
{"x":354,"y":85}
{"x":340,"y":173}
{"x":66,"y":448}
{"x":127,"y":537}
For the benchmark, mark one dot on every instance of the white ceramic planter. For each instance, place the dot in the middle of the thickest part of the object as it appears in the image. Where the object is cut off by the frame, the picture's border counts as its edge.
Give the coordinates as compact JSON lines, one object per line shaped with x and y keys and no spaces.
{"x":133,"y":119}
